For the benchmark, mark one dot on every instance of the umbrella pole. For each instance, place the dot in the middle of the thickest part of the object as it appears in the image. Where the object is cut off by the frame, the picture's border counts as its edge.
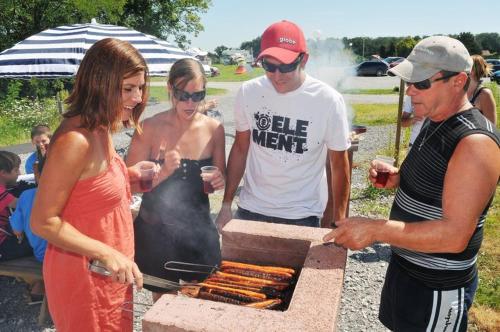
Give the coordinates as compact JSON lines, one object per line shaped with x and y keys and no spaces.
{"x":398,"y":127}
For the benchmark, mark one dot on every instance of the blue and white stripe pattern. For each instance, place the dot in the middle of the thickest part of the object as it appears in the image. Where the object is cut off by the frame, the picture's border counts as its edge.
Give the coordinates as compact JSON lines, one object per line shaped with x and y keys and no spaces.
{"x":58,"y":52}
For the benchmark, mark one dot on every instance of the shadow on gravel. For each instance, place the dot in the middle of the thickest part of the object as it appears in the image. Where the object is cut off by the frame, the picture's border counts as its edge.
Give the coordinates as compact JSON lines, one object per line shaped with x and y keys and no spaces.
{"x":376,"y":253}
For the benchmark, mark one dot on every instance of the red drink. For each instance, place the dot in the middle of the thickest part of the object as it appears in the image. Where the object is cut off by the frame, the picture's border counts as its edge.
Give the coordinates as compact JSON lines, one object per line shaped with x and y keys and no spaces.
{"x":207,"y":187}
{"x":146,"y":184}
{"x":382,"y":177}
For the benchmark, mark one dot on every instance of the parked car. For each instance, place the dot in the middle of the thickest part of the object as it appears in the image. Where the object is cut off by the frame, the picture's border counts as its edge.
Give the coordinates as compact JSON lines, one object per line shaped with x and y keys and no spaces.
{"x":393,"y":60}
{"x":493,"y":61}
{"x":377,"y":68}
{"x":496,"y":77}
{"x":494,"y":69}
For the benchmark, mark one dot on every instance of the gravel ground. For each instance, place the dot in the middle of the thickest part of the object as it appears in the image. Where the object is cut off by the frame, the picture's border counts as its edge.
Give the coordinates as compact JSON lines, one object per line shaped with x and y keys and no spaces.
{"x":363,"y":277}
{"x":364,"y":273}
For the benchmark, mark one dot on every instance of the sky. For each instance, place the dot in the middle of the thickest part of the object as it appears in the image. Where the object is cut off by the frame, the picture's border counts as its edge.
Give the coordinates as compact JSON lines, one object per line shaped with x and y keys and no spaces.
{"x":231,"y":22}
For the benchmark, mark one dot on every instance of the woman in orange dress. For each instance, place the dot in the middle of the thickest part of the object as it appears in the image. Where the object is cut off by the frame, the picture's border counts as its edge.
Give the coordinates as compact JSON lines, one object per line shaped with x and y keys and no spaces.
{"x":82,"y":204}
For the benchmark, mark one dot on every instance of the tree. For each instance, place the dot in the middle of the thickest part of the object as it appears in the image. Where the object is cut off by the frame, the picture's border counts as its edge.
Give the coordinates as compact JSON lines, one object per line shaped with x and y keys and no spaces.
{"x":382,"y":51}
{"x":161,"y":18}
{"x":253,"y":46}
{"x":21,"y":19}
{"x":489,"y":41}
{"x":165,"y":18}
{"x":219,"y":49}
{"x":404,"y":46}
{"x":470,"y":42}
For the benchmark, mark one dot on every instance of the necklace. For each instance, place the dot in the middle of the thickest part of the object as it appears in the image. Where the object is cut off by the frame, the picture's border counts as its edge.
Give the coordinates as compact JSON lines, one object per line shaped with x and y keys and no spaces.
{"x":426,"y":138}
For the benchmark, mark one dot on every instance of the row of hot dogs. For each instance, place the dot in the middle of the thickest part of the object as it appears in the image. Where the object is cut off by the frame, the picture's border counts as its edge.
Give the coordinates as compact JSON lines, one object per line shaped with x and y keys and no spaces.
{"x":245,"y":284}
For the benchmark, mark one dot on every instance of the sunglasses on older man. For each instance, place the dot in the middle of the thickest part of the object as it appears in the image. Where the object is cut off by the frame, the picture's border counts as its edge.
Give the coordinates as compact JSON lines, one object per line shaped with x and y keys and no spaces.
{"x":184,"y":96}
{"x":283,"y":68}
{"x":426,"y":84}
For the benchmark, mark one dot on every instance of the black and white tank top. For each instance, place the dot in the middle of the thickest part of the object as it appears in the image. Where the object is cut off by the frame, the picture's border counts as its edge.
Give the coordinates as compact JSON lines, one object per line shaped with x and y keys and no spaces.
{"x":419,"y":197}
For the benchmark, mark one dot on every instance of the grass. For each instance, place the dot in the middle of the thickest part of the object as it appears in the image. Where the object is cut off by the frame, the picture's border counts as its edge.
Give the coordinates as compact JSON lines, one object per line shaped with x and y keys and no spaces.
{"x":485,"y":311}
{"x":227,"y":74}
{"x":375,"y":114}
{"x":11,"y":133}
{"x":159,"y":93}
{"x":370,"y":91}
{"x":495,"y":88}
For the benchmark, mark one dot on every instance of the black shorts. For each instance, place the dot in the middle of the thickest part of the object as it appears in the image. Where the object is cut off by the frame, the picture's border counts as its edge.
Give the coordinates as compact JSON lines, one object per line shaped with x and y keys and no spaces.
{"x":408,"y":305}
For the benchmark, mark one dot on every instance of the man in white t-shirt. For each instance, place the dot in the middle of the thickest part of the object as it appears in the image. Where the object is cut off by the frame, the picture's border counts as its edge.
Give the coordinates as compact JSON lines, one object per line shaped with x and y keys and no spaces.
{"x":408,"y":118}
{"x":287,"y":123}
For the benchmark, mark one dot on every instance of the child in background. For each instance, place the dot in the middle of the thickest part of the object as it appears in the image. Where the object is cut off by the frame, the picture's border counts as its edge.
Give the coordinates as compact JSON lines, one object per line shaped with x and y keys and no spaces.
{"x":40,"y":138}
{"x":10,"y":246}
{"x":20,"y":223}
{"x":20,"y":219}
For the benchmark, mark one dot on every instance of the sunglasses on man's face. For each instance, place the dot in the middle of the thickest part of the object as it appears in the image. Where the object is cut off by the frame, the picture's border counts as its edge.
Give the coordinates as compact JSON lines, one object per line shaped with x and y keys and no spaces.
{"x":184,"y":96}
{"x":283,"y":68}
{"x":426,"y":84}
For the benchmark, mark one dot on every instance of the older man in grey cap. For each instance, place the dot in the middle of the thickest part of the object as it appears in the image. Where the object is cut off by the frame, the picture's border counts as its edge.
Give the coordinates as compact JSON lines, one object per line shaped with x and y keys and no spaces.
{"x":444,"y":189}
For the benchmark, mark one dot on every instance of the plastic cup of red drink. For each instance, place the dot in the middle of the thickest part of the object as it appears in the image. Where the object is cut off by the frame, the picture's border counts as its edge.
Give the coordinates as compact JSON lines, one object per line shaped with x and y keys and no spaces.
{"x":207,"y":172}
{"x":382,"y":165}
{"x":146,"y":179}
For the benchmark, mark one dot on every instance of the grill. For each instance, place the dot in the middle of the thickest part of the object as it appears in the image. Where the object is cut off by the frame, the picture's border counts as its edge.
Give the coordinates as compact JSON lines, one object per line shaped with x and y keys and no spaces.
{"x":313,"y":302}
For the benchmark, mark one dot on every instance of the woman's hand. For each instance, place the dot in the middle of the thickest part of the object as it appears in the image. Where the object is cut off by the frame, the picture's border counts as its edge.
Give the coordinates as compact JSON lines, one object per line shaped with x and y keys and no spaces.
{"x":215,"y":178}
{"x":122,"y":269}
{"x":172,"y":162}
{"x":134,"y":172}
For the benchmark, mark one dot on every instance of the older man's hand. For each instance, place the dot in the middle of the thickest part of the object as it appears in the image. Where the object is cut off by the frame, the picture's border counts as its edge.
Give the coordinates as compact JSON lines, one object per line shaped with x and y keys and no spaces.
{"x":354,"y":233}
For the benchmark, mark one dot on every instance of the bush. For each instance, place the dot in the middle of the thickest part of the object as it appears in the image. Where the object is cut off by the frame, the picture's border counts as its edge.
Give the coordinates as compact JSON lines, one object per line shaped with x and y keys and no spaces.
{"x":17,"y":117}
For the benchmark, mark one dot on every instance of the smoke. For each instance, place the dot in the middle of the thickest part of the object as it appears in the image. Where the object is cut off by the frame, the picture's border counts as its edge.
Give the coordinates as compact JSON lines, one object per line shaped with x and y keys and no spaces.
{"x":331,"y":62}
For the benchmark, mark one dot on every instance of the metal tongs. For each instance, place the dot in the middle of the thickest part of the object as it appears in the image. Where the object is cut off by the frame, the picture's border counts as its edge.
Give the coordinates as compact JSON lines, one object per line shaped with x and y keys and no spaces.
{"x":190,"y":267}
{"x":99,"y":268}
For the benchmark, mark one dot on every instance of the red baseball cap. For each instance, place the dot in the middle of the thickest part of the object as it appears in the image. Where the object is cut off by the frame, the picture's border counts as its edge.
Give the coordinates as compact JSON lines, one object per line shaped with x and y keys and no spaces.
{"x":283,"y":41}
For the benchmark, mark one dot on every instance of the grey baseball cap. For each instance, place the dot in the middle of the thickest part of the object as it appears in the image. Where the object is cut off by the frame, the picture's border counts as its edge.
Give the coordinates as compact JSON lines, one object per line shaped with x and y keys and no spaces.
{"x":430,"y":56}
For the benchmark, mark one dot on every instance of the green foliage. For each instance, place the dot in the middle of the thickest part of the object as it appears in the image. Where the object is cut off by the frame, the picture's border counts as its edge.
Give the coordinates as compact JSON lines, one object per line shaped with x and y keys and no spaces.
{"x":165,"y":19}
{"x":489,"y":41}
{"x":405,"y":46}
{"x":21,"y":19}
{"x":177,"y":18}
{"x":11,"y":89}
{"x":19,"y":116}
{"x":469,"y":41}
{"x":253,"y":45}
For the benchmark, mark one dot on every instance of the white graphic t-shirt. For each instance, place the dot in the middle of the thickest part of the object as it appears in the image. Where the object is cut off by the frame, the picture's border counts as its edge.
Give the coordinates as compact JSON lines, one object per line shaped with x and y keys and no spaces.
{"x":290,"y":135}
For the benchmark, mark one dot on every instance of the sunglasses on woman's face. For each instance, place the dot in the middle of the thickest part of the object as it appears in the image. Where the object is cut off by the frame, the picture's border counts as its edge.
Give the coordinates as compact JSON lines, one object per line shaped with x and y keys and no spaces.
{"x":426,"y":84}
{"x":184,"y":96}
{"x":283,"y":68}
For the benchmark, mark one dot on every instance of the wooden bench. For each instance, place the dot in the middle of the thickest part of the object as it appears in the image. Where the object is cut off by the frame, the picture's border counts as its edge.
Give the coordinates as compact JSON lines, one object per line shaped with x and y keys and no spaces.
{"x":26,"y":268}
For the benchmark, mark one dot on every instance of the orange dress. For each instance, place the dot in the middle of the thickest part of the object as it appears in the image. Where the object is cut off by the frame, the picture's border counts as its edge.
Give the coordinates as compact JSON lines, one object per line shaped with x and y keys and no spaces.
{"x":80,"y":300}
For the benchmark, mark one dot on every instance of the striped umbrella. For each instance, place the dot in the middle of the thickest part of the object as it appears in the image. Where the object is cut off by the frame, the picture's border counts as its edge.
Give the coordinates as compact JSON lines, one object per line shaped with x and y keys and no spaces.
{"x":58,"y":52}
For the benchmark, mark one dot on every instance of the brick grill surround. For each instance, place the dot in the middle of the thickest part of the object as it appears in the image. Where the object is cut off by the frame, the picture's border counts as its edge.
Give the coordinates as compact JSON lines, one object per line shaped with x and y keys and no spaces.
{"x":315,"y":301}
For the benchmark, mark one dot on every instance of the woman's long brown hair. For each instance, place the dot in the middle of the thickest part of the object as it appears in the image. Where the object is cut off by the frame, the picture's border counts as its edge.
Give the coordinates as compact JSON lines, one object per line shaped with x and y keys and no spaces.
{"x":97,"y":93}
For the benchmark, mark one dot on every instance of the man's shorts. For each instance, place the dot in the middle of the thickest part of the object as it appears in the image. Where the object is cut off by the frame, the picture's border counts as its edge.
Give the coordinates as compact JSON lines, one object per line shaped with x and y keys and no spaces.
{"x":408,"y":305}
